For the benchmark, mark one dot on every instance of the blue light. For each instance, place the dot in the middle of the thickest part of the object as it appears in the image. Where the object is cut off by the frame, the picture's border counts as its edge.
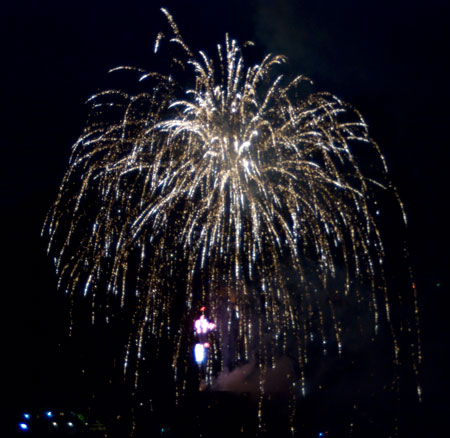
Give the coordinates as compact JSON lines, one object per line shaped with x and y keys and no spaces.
{"x":23,"y":426}
{"x":49,"y":414}
{"x":320,"y":434}
{"x":26,"y":416}
{"x":199,"y":353}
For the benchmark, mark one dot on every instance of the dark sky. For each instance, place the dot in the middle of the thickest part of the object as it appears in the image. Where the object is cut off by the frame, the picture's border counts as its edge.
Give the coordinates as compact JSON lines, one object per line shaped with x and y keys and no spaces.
{"x":387,"y":58}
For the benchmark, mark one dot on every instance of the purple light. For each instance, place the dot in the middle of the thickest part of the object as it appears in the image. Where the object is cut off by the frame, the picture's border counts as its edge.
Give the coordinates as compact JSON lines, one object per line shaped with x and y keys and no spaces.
{"x":202,"y":325}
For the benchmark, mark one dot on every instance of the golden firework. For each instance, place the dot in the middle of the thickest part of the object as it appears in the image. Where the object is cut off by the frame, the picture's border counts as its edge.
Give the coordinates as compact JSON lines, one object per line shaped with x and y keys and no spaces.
{"x":241,"y":193}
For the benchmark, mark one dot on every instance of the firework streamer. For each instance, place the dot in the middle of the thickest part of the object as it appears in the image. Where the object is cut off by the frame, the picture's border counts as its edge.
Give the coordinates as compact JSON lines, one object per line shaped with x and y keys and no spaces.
{"x":239,"y":192}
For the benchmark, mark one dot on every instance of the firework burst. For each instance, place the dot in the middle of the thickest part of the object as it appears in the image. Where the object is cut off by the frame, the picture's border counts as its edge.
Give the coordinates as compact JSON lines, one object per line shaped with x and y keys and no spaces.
{"x":240,"y":193}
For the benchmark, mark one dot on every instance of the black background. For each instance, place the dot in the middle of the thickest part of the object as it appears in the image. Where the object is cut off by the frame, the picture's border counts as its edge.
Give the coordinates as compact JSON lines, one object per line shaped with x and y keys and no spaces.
{"x":387,"y":58}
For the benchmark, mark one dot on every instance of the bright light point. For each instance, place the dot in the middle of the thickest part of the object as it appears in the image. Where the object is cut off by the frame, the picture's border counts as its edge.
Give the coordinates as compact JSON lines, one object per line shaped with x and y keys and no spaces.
{"x":23,"y":426}
{"x":49,"y":414}
{"x":199,"y":353}
{"x":26,"y":416}
{"x":320,"y":434}
{"x":55,"y":424}
{"x":70,"y":424}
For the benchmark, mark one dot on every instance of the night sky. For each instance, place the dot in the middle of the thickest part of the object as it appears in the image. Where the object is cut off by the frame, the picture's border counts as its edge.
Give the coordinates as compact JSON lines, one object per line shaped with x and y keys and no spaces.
{"x":386,"y":58}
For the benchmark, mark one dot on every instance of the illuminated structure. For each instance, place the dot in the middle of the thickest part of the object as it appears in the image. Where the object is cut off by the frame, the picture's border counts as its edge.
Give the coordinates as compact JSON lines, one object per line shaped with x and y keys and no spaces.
{"x":202,"y":327}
